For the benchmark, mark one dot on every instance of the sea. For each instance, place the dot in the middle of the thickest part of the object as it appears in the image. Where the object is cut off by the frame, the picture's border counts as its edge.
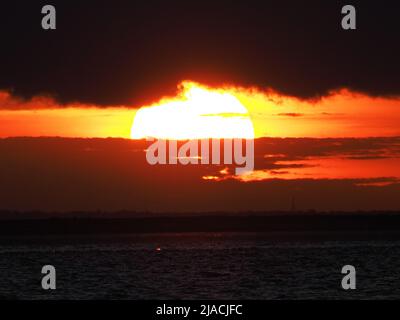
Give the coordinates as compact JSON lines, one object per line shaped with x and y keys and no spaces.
{"x":192,"y":266}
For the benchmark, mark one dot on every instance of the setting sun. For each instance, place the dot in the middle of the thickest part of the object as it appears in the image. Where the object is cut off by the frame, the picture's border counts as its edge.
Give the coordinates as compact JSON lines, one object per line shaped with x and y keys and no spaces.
{"x":197,"y":112}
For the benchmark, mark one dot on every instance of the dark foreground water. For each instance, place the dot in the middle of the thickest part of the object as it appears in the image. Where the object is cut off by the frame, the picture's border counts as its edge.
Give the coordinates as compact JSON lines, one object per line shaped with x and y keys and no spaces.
{"x":198,"y":266}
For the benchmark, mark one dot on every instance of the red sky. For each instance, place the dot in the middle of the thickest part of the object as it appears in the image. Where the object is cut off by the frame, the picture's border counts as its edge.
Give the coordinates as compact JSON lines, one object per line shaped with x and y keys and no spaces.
{"x":112,"y":174}
{"x":350,"y":159}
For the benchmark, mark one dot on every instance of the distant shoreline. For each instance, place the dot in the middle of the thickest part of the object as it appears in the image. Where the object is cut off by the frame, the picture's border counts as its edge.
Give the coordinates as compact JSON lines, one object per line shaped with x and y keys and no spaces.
{"x":383,"y":225}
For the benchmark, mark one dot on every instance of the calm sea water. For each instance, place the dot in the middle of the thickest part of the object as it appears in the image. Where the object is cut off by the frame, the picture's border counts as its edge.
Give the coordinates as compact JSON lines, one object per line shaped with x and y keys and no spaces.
{"x":197,"y":266}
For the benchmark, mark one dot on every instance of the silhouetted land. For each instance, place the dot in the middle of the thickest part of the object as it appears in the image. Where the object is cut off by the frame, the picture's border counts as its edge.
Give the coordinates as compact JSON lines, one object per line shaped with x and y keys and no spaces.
{"x":376,"y":225}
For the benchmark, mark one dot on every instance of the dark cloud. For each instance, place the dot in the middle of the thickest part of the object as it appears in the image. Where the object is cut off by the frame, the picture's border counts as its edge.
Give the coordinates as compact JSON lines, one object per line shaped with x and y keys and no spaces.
{"x":67,"y":174}
{"x":131,"y":52}
{"x":272,"y":150}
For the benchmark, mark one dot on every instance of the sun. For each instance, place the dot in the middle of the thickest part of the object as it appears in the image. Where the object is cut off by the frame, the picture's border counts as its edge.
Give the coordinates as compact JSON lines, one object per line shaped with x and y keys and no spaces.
{"x":197,"y":112}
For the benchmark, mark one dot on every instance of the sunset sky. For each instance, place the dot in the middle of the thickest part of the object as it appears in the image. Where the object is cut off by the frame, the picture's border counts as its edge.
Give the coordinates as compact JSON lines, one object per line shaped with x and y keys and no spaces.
{"x":340,"y":114}
{"x":322,"y":103}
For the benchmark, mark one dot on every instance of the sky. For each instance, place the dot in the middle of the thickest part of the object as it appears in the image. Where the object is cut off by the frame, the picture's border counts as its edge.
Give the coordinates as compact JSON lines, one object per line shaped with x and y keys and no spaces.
{"x":323,"y":104}
{"x":340,"y":114}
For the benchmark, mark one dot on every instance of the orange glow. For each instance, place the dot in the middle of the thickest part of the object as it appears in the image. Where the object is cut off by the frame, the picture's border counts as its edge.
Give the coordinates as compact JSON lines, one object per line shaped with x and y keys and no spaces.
{"x":201,"y":111}
{"x":43,"y":116}
{"x":325,"y":168}
{"x":198,"y":112}
{"x":67,"y":122}
{"x":340,"y":114}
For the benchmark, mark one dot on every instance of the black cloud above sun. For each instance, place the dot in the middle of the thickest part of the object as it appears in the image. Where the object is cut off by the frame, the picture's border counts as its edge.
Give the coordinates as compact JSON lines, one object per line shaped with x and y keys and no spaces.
{"x":128,"y":52}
